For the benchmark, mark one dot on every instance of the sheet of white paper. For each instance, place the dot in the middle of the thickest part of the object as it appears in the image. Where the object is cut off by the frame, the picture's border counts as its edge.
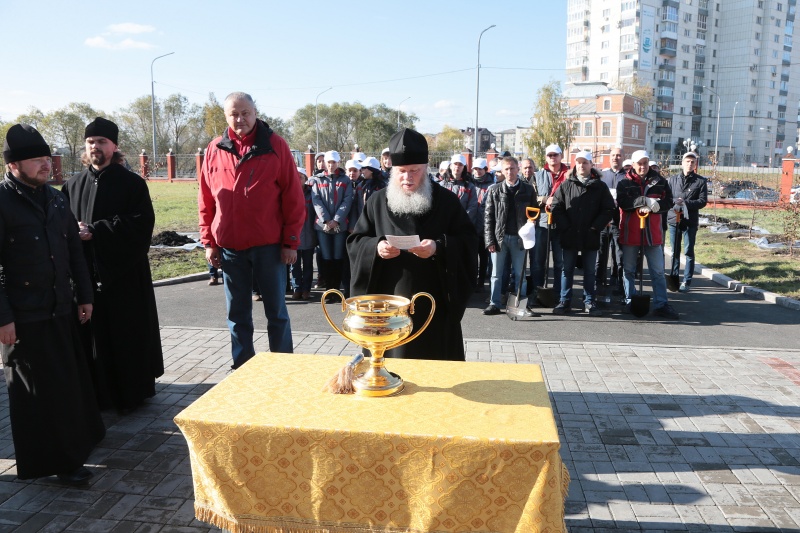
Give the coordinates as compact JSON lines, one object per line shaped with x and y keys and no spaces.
{"x":403,"y":242}
{"x":613,"y":193}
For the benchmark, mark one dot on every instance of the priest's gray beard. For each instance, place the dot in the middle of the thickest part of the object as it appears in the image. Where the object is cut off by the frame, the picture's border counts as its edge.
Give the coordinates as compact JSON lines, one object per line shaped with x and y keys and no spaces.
{"x":404,"y":203}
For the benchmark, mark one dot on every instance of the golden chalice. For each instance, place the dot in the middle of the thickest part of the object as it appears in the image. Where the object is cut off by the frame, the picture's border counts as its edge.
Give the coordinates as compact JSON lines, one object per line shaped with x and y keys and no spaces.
{"x":378,"y":322}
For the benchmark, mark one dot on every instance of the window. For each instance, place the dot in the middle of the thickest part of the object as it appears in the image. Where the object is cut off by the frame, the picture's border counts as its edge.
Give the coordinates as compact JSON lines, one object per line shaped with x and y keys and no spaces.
{"x":777,"y":23}
{"x":606,"y":13}
{"x":750,"y":127}
{"x":771,"y":100}
{"x":635,"y":131}
{"x":604,"y":45}
{"x":758,"y":36}
{"x":684,"y":80}
{"x":749,"y":143}
{"x":628,"y":42}
{"x":781,"y":115}
{"x":774,"y":54}
{"x":664,"y":123}
{"x":775,"y":38}
{"x":779,"y":6}
{"x":576,"y":129}
{"x":714,"y":53}
{"x":771,"y":86}
{"x":637,"y":107}
{"x":669,"y":14}
{"x":606,"y":104}
{"x":756,"y":51}
{"x":753,"y":83}
{"x":606,"y":129}
{"x":604,"y":60}
{"x":681,"y":125}
{"x":687,"y":17}
{"x":701,"y":35}
{"x":758,"y":20}
{"x":769,"y":113}
{"x":766,"y":144}
{"x":603,"y":76}
{"x":685,"y":48}
{"x":587,"y":129}
{"x":687,"y":33}
{"x":709,"y":127}
{"x":685,"y":64}
{"x":701,"y":22}
{"x":605,"y":28}
{"x":671,"y":26}
{"x":699,"y":66}
{"x":665,"y":91}
{"x":753,"y":97}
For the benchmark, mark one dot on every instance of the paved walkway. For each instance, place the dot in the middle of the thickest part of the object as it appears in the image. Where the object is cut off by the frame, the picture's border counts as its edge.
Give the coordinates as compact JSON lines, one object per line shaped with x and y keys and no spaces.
{"x":657,"y":438}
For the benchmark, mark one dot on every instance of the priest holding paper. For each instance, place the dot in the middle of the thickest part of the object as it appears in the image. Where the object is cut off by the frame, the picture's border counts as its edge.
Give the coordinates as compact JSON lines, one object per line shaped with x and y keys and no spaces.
{"x":413,"y":237}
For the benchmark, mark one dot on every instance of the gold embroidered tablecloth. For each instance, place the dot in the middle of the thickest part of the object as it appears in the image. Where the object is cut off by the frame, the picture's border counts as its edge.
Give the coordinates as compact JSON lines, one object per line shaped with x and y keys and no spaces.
{"x":465,"y":447}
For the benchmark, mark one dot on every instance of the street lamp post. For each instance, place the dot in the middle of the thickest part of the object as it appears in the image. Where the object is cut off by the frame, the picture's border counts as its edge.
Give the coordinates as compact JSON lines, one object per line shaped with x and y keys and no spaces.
{"x":716,"y":141}
{"x":733,"y":117}
{"x":398,"y":112}
{"x":316,"y":113}
{"x":477,"y":92}
{"x":153,"y":108}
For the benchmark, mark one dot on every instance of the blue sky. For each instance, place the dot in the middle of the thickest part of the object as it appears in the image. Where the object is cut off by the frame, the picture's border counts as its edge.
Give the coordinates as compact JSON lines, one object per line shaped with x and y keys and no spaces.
{"x":369,"y":51}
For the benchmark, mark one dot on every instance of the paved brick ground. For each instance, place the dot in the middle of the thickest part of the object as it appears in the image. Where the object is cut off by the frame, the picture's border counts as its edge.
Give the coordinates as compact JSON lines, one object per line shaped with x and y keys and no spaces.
{"x":657,"y":438}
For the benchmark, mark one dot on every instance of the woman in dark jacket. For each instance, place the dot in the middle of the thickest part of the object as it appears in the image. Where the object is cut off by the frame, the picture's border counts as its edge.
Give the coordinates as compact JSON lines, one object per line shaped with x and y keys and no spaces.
{"x":582,"y":207}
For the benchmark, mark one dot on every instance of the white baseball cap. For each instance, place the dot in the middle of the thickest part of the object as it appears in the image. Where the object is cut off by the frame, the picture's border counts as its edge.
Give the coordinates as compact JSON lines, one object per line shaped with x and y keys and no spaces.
{"x":479,"y":163}
{"x":359,"y":156}
{"x":553,"y":149}
{"x":689,"y":154}
{"x":386,"y":151}
{"x":333,"y":155}
{"x":584,"y":155}
{"x":371,"y":162}
{"x":444,"y":165}
{"x":627,"y":163}
{"x":458,"y":158}
{"x":638,"y":155}
{"x":352,"y":164}
{"x":302,"y":171}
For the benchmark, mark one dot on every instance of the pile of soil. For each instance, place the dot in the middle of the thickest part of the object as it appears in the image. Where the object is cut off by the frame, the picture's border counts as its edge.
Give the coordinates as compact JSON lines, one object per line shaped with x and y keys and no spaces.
{"x":171,"y":238}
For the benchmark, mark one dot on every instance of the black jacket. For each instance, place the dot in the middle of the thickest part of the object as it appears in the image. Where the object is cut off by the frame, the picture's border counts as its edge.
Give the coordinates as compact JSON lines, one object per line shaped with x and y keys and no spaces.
{"x":41,"y":255}
{"x":694,"y":191}
{"x":581,"y":211}
{"x":494,"y":229}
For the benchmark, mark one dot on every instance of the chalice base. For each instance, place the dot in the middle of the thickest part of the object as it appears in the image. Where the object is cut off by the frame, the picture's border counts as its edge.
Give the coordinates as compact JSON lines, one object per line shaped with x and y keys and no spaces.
{"x":377,"y":382}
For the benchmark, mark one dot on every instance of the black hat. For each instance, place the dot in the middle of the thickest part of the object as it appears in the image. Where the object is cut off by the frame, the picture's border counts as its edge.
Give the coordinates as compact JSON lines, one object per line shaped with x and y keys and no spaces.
{"x":101,"y":127}
{"x":24,"y":142}
{"x":408,"y":147}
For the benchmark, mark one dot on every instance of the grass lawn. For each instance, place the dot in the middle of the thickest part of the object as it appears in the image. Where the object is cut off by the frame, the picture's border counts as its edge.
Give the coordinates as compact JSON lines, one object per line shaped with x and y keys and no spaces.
{"x":774,"y":271}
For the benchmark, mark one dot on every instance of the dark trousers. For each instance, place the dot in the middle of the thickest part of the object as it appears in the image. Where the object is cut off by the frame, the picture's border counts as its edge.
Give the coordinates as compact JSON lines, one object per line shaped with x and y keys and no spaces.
{"x":609,"y":246}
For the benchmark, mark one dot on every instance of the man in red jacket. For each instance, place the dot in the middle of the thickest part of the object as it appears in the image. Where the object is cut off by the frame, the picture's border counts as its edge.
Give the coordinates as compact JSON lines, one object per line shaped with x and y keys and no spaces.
{"x":252,"y":210}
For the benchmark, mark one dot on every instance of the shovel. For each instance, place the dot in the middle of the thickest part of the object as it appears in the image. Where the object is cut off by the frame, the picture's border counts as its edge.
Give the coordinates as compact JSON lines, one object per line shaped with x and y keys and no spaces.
{"x":673,"y":281}
{"x":547,"y":296}
{"x":640,"y":303}
{"x":517,"y":306}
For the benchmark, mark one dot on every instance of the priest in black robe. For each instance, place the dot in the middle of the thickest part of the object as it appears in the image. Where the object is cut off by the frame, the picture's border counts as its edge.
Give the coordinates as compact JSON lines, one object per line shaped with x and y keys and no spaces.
{"x":443,"y":265}
{"x":44,"y":286}
{"x":115,"y":217}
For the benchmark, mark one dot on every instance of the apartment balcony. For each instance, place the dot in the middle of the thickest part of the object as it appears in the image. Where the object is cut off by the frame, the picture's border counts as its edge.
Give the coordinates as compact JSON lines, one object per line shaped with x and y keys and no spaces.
{"x":668,"y":52}
{"x":671,"y":3}
{"x":661,"y":113}
{"x":663,"y":147}
{"x":699,"y":73}
{"x":669,"y":35}
{"x":666,"y":67}
{"x":663,"y":129}
{"x":783,"y":93}
{"x":666,"y":83}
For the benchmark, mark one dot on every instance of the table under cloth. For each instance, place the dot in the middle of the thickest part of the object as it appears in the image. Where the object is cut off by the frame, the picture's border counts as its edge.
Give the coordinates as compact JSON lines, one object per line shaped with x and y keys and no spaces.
{"x":465,"y":447}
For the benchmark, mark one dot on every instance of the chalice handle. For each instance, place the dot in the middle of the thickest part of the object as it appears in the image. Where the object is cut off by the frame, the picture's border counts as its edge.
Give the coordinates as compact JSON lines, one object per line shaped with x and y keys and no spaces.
{"x":411,"y":312}
{"x":325,"y":310}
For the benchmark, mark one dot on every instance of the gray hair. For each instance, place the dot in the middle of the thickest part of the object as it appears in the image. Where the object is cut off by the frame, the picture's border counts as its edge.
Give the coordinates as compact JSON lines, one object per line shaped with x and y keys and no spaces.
{"x":237,"y":96}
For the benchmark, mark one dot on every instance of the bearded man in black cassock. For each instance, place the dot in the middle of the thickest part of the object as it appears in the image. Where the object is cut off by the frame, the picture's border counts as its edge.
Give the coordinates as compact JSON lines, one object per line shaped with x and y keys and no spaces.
{"x":444,"y":264}
{"x":115,"y":221}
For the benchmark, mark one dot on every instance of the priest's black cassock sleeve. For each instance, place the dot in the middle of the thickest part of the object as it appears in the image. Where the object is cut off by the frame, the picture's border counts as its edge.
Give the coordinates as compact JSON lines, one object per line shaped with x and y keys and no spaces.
{"x":449,"y":276}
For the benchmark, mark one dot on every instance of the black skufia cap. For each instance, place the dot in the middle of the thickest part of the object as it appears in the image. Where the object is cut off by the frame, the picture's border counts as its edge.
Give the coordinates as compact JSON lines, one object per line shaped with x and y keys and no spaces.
{"x":102,"y":127}
{"x":24,"y":142}
{"x":408,"y":147}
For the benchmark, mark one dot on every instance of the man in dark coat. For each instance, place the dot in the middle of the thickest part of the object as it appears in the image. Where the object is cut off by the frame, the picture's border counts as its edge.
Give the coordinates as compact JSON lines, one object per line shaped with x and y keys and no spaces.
{"x":55,"y":422}
{"x":443,"y":264}
{"x":690,"y":193}
{"x":115,"y":218}
{"x":582,"y":208}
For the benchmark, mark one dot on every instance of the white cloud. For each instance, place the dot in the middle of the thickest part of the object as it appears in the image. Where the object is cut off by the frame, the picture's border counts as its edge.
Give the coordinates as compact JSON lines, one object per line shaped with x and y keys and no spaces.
{"x":125,"y":44}
{"x":444,"y":104}
{"x":108,"y":39}
{"x":130,"y":27}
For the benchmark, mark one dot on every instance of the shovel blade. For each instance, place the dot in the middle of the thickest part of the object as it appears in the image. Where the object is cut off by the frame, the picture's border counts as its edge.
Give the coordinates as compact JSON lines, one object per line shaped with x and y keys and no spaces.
{"x":673,"y":282}
{"x":546,"y":296}
{"x":515,"y":307}
{"x":640,"y":305}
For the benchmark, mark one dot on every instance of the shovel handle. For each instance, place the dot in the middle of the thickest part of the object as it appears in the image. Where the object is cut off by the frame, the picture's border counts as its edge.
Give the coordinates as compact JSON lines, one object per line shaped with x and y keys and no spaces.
{"x":642,"y":217}
{"x":549,"y":214}
{"x":536,"y":212}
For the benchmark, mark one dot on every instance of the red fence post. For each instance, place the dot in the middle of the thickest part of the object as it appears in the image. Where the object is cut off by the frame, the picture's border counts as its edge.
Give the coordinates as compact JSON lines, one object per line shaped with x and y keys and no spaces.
{"x":58,"y":174}
{"x":171,"y":170}
{"x":308,"y":159}
{"x":144,"y":165}
{"x":198,"y":162}
{"x":467,"y":153}
{"x":787,"y":177}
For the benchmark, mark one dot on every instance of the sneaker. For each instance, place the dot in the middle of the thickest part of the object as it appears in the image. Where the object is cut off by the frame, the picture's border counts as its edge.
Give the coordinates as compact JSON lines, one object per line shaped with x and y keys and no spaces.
{"x":491,"y":310}
{"x":666,"y":311}
{"x":593,"y":310}
{"x":561,"y":309}
{"x":684,"y":287}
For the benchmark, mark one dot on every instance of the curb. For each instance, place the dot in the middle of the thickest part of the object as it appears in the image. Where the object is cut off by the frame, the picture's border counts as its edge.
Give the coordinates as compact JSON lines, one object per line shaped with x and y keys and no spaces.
{"x":181,"y":279}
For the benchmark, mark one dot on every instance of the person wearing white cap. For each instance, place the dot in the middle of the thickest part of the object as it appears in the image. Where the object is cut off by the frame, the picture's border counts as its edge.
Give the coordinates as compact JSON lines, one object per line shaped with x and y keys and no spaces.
{"x":548,"y":180}
{"x":483,"y":180}
{"x":332,"y":196}
{"x":359,"y":157}
{"x":609,"y":237}
{"x":582,"y":208}
{"x":644,"y":192}
{"x":386,"y":163}
{"x":690,"y":192}
{"x":506,"y":207}
{"x":443,"y":166}
{"x":456,"y":180}
{"x":303,"y":268}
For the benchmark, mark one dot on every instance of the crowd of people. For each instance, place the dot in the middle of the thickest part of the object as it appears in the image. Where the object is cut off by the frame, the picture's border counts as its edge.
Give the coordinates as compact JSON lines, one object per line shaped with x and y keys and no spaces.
{"x":78,"y":320}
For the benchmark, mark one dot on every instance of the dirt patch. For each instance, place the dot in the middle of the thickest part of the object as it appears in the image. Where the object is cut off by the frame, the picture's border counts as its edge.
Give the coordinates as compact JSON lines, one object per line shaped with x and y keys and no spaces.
{"x":171,"y":238}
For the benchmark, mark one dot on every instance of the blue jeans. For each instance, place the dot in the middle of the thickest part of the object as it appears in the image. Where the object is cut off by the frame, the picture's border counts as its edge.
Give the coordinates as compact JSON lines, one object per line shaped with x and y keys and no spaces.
{"x":538,"y":258}
{"x":655,"y":265}
{"x":332,"y":245}
{"x":240,"y":268}
{"x":689,"y":235}
{"x":568,"y":274}
{"x":303,"y":271}
{"x":510,"y":251}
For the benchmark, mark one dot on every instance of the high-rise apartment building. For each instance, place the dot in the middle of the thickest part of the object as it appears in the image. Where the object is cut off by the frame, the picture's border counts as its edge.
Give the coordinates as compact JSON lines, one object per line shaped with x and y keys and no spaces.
{"x":709,"y":63}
